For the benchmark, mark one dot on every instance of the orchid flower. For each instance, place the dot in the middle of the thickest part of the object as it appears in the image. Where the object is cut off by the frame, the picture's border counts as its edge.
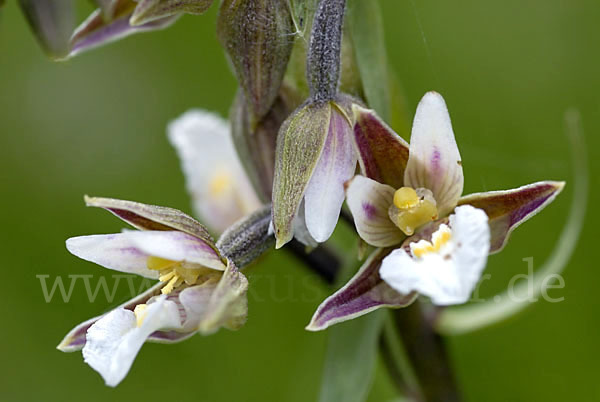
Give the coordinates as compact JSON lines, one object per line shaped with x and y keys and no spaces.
{"x":408,"y":203}
{"x":199,"y":289}
{"x":220,"y":188}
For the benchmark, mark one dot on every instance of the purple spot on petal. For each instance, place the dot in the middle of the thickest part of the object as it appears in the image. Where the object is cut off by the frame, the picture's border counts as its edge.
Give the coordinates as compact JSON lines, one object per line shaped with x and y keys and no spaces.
{"x":435,"y":159}
{"x":369,"y":210}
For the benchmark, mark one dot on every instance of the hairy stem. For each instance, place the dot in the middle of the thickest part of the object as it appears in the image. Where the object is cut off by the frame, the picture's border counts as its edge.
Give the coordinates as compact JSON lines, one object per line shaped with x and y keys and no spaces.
{"x":324,"y":54}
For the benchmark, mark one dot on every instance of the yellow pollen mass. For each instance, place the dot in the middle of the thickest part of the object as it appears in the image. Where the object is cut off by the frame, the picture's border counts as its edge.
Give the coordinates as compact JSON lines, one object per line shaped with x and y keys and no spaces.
{"x":172,"y":273}
{"x":412,"y":208}
{"x":439,"y":238}
{"x":405,"y":197}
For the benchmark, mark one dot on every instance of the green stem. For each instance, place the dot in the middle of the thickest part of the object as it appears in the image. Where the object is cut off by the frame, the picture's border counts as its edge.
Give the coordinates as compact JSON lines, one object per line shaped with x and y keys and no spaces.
{"x":396,"y":362}
{"x":427,"y":353}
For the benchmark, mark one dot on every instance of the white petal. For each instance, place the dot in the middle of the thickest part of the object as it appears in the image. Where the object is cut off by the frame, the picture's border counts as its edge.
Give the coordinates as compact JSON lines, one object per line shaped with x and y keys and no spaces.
{"x":221,"y":190}
{"x":176,"y":246}
{"x":434,"y":161}
{"x":325,"y":192}
{"x":449,"y":275}
{"x":113,"y":251}
{"x":113,"y":342}
{"x":369,"y":202}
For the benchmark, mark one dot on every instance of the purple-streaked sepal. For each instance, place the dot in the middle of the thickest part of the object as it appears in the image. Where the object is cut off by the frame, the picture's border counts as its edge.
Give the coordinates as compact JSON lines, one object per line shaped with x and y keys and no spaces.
{"x":365,"y":292}
{"x":382,"y":154}
{"x":98,"y":29}
{"x":151,"y":217}
{"x":508,"y":209}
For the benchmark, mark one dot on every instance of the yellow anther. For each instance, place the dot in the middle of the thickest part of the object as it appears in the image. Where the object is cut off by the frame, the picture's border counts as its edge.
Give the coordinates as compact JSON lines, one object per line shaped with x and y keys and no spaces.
{"x":220,"y":182}
{"x":405,"y":197}
{"x":158,"y":264}
{"x":140,"y":313}
{"x":412,"y":208}
{"x":439,"y":239}
{"x":168,"y":288}
{"x":172,"y":273}
{"x":166,"y":277}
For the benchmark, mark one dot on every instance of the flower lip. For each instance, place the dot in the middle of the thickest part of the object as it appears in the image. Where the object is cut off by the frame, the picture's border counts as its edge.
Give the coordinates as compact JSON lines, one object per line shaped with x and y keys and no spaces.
{"x":113,"y":342}
{"x":448,"y":267}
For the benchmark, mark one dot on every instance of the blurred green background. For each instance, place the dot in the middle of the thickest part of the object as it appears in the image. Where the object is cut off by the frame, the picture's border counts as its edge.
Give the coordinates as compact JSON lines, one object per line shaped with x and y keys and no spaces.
{"x":96,"y":125}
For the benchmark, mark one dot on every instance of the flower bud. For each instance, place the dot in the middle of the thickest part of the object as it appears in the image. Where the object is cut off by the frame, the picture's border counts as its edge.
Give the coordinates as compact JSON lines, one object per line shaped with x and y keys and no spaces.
{"x":258,"y":37}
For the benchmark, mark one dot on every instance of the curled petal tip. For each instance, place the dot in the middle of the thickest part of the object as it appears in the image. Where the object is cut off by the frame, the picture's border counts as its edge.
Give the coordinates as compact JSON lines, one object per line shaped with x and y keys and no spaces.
{"x":313,"y":327}
{"x":280,"y":243}
{"x":63,"y":346}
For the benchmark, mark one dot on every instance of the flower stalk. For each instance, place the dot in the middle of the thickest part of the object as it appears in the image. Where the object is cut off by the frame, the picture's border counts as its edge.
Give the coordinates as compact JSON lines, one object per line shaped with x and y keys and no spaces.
{"x":427,"y":353}
{"x":323,"y":60}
